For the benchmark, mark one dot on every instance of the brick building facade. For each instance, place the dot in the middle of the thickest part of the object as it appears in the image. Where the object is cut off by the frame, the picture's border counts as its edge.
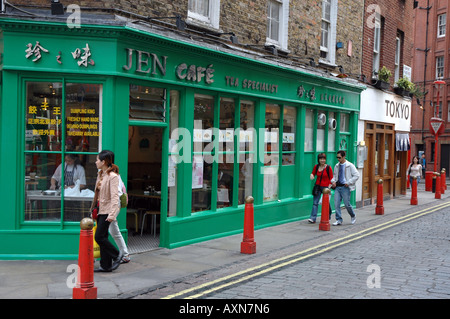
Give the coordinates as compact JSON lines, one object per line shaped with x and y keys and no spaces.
{"x":385,"y":116}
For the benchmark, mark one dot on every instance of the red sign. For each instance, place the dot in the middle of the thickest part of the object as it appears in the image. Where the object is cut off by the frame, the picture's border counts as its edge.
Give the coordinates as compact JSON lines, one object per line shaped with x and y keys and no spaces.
{"x":436,"y":126}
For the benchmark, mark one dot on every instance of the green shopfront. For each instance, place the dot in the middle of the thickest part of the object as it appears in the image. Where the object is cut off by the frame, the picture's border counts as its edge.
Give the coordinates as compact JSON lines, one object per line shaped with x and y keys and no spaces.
{"x":217,"y":128}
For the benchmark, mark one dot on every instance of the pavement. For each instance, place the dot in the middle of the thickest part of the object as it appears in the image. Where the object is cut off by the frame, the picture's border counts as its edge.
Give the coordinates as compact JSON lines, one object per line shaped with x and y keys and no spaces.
{"x":150,"y":273}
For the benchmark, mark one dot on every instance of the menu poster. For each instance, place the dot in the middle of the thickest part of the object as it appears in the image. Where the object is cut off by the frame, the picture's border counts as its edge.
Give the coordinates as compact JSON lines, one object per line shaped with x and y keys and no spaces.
{"x":197,"y":172}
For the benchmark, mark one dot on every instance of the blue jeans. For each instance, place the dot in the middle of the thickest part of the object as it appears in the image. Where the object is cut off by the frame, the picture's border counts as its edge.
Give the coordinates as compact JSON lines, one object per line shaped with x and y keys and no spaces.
{"x":316,"y":200}
{"x":342,"y":193}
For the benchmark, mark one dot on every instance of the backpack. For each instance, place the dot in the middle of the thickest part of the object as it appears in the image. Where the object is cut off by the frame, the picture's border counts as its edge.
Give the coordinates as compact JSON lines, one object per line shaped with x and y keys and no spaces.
{"x":123,"y":196}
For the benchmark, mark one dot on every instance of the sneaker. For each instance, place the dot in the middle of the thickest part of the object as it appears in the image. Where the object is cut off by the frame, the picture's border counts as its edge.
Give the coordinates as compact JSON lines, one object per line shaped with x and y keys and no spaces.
{"x":125,"y":259}
{"x":336,"y":223}
{"x":311,"y":221}
{"x":353,"y":220}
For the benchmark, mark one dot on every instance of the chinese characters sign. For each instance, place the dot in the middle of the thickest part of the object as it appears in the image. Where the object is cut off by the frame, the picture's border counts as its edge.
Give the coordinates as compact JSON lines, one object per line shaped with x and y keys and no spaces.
{"x":82,"y":56}
{"x":45,"y":117}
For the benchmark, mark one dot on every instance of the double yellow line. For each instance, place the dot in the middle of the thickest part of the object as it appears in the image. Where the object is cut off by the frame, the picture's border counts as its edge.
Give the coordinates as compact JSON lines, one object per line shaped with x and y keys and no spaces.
{"x":259,"y":270}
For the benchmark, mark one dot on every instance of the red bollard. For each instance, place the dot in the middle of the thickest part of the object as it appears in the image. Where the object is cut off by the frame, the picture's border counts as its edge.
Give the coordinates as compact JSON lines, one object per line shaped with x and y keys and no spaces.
{"x":325,"y":218}
{"x":414,"y":200}
{"x":84,"y":288}
{"x":379,"y":210}
{"x":445,"y":181}
{"x":442,"y":181}
{"x":437,"y":194}
{"x":248,"y":245}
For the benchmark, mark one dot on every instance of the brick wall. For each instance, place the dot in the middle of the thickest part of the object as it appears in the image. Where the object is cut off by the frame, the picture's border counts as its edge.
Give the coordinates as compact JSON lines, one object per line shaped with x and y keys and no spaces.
{"x":396,"y":15}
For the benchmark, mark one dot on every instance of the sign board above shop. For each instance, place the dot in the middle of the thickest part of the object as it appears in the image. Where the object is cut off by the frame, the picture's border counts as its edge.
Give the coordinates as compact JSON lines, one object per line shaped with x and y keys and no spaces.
{"x":380,"y":106}
{"x":118,"y":50}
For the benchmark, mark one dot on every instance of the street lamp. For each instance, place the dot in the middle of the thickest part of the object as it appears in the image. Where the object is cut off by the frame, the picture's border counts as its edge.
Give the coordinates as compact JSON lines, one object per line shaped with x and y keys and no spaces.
{"x":436,"y":123}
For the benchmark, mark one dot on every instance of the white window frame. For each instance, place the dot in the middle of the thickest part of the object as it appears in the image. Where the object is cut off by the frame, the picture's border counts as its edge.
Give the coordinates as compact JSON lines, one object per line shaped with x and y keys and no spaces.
{"x":283,"y":24}
{"x":442,"y":24}
{"x":376,"y":45}
{"x":439,"y":67}
{"x":210,"y":21}
{"x":329,"y":49}
{"x":398,"y":45}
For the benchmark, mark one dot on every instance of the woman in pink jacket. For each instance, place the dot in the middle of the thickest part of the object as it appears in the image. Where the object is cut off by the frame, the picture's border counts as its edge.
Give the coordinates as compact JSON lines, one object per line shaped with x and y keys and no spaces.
{"x":107,"y":198}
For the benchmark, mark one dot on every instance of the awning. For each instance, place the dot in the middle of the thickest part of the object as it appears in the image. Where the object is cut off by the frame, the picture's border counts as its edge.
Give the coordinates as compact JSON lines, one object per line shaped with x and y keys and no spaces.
{"x":402,"y":142}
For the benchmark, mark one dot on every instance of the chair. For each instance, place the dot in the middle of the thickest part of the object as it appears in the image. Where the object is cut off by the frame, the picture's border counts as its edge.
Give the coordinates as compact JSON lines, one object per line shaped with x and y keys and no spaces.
{"x":153,"y":213}
{"x":133,"y":211}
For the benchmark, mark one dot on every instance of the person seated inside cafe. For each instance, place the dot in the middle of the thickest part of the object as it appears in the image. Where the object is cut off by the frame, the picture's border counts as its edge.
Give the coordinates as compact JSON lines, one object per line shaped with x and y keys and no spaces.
{"x":225,"y":181}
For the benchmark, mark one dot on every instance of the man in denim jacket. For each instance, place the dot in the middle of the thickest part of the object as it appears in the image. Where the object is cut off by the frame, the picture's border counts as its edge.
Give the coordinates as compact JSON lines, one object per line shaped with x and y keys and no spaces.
{"x":344,"y":178}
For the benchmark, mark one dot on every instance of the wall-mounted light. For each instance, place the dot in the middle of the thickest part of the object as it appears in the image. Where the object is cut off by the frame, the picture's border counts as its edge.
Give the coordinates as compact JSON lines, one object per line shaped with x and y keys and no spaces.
{"x":57,"y":8}
{"x":233,"y":37}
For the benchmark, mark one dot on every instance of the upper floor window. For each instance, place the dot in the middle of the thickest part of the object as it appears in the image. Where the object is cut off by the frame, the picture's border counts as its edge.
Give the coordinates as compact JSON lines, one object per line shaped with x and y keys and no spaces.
{"x":439,"y":67}
{"x":204,"y":12}
{"x":442,"y":21}
{"x":328,"y":32}
{"x":277,"y":23}
{"x":398,"y":45}
{"x":376,"y":44}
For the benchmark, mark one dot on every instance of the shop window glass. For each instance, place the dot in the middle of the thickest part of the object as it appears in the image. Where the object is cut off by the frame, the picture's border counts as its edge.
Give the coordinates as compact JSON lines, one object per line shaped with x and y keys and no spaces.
{"x":309,"y":130}
{"x":83,"y":125}
{"x":247,"y":138}
{"x":80,"y":174}
{"x":387,"y":143}
{"x":289,"y":128}
{"x":43,"y":116}
{"x":331,"y":132}
{"x":147,"y":103}
{"x":345,"y":122}
{"x":203,"y":152}
{"x":321,"y":122}
{"x":172,"y":167}
{"x":41,"y":203}
{"x":53,"y":174}
{"x":271,"y":152}
{"x":226,"y":153}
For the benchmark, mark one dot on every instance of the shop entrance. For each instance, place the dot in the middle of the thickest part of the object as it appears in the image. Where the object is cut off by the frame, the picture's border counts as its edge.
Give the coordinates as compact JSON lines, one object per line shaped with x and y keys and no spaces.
{"x":144,"y":187}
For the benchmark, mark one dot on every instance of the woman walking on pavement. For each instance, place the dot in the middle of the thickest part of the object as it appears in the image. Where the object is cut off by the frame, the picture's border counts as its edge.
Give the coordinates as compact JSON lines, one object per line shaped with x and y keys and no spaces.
{"x":414,"y":170}
{"x":324,"y":175}
{"x":107,"y":196}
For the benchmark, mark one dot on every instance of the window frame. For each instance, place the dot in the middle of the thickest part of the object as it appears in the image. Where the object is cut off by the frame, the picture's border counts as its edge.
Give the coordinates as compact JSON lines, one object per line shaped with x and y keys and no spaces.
{"x":331,"y":32}
{"x":212,"y":20}
{"x":63,"y":152}
{"x":283,"y":24}
{"x":441,"y":25}
{"x":376,"y":44}
{"x":440,"y":67}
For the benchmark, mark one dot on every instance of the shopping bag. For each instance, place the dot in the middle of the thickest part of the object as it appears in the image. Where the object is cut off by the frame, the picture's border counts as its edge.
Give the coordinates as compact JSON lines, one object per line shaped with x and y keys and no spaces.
{"x":96,"y":246}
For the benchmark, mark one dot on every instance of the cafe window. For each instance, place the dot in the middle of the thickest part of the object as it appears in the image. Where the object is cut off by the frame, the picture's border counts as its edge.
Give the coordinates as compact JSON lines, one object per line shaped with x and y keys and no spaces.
{"x":289,"y":128}
{"x":172,"y":167}
{"x":271,"y":152}
{"x":321,"y":123}
{"x":247,"y":145}
{"x":331,"y":132}
{"x":309,"y":130}
{"x":203,"y":152}
{"x":147,"y":103}
{"x":57,"y":176}
{"x":226,"y":153}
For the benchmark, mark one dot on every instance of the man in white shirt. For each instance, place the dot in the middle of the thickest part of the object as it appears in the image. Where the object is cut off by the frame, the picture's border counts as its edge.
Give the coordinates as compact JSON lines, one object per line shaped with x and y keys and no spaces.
{"x":344,"y":178}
